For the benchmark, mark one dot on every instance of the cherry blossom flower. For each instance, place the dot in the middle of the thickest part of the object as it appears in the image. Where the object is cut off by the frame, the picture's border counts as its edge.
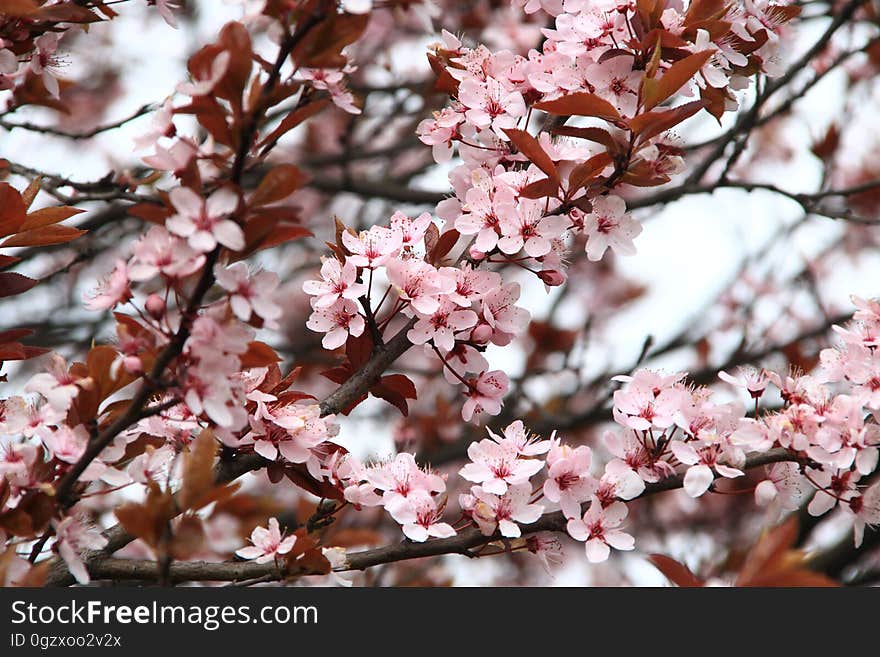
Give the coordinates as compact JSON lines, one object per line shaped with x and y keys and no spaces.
{"x":72,"y":538}
{"x":442,"y":325}
{"x":784,"y":487}
{"x":420,"y":283}
{"x":249,"y":294}
{"x":45,"y":61}
{"x":339,"y":281}
{"x":569,"y":482}
{"x":114,"y":290}
{"x":159,"y":252}
{"x":419,"y":515}
{"x":373,"y":247}
{"x":485,"y":394}
{"x":496,"y":466}
{"x":529,"y":229}
{"x":493,"y":512}
{"x":268,"y":544}
{"x":491,"y":106}
{"x":703,"y":457}
{"x":57,"y":384}
{"x":754,"y":381}
{"x":600,"y":529}
{"x":338,"y":322}
{"x":202,"y":221}
{"x":607,"y":224}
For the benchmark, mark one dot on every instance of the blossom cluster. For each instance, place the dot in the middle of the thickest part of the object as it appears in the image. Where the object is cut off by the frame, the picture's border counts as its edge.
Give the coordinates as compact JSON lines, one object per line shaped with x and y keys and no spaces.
{"x":455,"y":311}
{"x":592,"y":50}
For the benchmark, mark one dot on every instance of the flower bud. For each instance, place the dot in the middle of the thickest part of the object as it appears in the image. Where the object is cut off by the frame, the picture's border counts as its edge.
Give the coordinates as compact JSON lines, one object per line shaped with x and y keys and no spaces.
{"x":155,"y":306}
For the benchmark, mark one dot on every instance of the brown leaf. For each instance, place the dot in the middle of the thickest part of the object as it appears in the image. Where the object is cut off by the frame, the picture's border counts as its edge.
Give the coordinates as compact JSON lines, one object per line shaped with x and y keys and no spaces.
{"x":580,"y":104}
{"x":529,"y":146}
{"x":676,"y":76}
{"x":586,"y":171}
{"x":48,"y":216}
{"x":293,"y":119}
{"x":648,"y":125}
{"x":44,"y":236}
{"x":12,"y":283}
{"x":281,"y":181}
{"x":675,"y":572}
{"x":198,"y":470}
{"x":258,"y":354}
{"x":12,"y":210}
{"x":18,"y":8}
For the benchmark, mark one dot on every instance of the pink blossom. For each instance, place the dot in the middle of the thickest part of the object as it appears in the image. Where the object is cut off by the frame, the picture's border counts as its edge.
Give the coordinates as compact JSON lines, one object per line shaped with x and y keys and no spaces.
{"x":616,"y":81}
{"x":420,"y":283}
{"x":419,"y":515}
{"x":569,"y":482}
{"x":600,"y":529}
{"x":491,"y":106}
{"x":484,"y":394}
{"x":202,"y":221}
{"x":496,"y":466}
{"x":529,"y":229}
{"x":249,"y":294}
{"x":609,"y":225}
{"x":338,"y":281}
{"x":703,"y":457}
{"x":72,"y":538}
{"x":268,"y":544}
{"x":338,"y":322}
{"x":412,"y":231}
{"x":754,"y":381}
{"x":56,"y":384}
{"x":402,"y":477}
{"x":114,"y":290}
{"x":159,"y":252}
{"x":373,"y":247}
{"x":500,"y":317}
{"x":493,"y":512}
{"x":442,"y":325}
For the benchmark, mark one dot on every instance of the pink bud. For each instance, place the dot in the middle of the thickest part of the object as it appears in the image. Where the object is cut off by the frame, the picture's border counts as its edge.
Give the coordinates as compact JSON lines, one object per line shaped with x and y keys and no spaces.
{"x":132,"y":365}
{"x":155,"y":306}
{"x":481,"y":333}
{"x":476,"y":254}
{"x":551,"y":277}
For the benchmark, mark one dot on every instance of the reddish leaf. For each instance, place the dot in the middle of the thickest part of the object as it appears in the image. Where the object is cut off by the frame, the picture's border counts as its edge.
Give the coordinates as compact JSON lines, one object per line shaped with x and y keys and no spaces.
{"x":586,"y":171}
{"x":258,"y":354}
{"x":651,"y":124}
{"x":281,"y":181}
{"x":18,"y":8}
{"x":529,"y":146}
{"x":293,"y":119}
{"x":31,"y":191}
{"x":43,"y":236}
{"x":580,"y":104}
{"x":540,"y":189}
{"x":597,"y":135}
{"x":12,"y":283}
{"x":445,"y":243}
{"x":155,"y":213}
{"x":48,"y":216}
{"x":395,"y":389}
{"x":12,"y":210}
{"x":676,"y":76}
{"x":677,"y":573}
{"x":198,"y":471}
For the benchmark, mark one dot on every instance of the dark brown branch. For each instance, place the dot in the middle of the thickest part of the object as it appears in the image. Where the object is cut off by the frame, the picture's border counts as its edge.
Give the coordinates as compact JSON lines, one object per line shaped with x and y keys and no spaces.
{"x":88,"y":134}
